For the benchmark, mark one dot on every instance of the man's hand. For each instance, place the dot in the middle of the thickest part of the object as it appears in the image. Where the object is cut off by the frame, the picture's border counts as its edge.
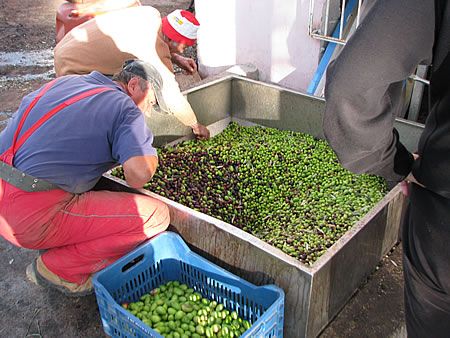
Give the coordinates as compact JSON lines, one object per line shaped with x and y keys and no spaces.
{"x":200,"y":131}
{"x":408,"y":180}
{"x":187,"y":64}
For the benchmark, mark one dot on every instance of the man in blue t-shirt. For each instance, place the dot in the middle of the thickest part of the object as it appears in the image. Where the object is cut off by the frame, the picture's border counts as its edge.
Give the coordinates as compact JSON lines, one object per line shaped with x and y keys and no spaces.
{"x":55,"y":149}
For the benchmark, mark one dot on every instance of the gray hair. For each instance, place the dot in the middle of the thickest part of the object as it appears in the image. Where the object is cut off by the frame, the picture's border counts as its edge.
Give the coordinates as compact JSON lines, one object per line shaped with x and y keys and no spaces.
{"x":125,"y":76}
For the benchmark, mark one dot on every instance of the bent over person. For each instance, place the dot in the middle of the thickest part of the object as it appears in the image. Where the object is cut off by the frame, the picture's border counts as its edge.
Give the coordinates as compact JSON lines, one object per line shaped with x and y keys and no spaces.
{"x":55,"y":149}
{"x":106,"y":41}
{"x":363,"y":96}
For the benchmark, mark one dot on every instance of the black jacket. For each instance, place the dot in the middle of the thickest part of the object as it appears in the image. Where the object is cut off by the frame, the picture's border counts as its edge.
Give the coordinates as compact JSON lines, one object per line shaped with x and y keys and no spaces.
{"x":433,"y":166}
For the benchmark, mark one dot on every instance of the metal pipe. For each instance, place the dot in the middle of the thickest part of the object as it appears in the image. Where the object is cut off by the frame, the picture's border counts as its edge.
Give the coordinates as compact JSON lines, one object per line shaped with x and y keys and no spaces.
{"x":327,"y":13}
{"x":358,"y":13}
{"x":328,"y":38}
{"x":419,"y":79}
{"x":337,"y":36}
{"x":310,"y":19}
{"x":342,"y":19}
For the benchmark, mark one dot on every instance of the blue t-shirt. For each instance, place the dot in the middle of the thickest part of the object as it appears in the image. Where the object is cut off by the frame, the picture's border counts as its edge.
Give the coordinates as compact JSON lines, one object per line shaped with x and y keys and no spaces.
{"x":82,"y":141}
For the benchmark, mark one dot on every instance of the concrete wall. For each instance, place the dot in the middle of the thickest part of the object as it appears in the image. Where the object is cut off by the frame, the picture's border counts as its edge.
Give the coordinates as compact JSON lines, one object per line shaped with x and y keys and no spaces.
{"x":272,"y":35}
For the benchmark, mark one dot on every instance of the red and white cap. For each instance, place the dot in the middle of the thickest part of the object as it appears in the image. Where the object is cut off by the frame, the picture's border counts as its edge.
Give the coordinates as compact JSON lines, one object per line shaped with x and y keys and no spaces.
{"x":181,"y":26}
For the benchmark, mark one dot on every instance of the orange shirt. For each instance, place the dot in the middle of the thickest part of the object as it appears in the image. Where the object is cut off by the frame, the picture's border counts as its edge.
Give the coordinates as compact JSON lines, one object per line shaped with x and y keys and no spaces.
{"x":106,"y":41}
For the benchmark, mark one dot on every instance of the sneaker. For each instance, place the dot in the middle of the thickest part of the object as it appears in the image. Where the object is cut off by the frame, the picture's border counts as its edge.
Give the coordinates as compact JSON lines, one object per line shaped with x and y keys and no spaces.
{"x":38,"y":273}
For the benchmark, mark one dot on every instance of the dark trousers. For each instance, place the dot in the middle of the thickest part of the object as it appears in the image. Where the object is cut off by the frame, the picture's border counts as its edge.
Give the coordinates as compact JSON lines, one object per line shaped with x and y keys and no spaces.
{"x":426,"y":265}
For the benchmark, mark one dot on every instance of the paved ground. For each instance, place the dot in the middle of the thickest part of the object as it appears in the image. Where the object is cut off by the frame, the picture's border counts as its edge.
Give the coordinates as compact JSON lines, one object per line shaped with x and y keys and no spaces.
{"x":27,"y":39}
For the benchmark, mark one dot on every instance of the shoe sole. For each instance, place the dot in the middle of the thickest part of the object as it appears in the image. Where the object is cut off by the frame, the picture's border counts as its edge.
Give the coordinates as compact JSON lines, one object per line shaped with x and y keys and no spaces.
{"x":31,"y":275}
{"x":34,"y":276}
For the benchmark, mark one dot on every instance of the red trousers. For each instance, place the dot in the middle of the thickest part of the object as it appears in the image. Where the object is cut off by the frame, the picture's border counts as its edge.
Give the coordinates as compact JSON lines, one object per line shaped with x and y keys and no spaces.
{"x":82,"y":233}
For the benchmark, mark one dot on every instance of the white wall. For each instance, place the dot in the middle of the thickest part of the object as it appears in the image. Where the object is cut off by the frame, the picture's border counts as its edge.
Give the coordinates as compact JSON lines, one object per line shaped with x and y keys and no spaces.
{"x":271,"y":34}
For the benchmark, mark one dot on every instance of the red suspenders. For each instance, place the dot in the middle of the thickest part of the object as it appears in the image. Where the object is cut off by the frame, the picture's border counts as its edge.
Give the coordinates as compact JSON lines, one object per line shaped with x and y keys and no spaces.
{"x":8,"y":156}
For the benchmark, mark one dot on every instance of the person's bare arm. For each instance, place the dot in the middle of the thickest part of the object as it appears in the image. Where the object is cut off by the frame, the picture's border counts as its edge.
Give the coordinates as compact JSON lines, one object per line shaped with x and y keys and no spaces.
{"x":174,"y":98}
{"x":138,"y":170}
{"x":187,"y":64}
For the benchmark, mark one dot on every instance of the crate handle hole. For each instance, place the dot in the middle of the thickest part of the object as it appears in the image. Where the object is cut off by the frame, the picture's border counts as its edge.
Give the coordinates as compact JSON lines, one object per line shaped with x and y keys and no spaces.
{"x":132,"y":263}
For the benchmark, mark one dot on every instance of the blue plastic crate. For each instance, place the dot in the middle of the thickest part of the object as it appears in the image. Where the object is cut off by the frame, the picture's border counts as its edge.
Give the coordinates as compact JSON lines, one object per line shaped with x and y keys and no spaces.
{"x":165,"y":258}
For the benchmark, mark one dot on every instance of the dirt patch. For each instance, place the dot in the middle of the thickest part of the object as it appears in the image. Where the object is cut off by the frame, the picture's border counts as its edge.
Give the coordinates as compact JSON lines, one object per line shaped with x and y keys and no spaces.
{"x":376,"y":309}
{"x":30,"y":24}
{"x":27,"y":24}
{"x":11,"y":93}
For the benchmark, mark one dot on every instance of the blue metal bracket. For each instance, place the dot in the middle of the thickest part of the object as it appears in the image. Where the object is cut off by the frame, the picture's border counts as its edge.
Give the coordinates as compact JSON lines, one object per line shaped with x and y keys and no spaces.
{"x":325,"y":60}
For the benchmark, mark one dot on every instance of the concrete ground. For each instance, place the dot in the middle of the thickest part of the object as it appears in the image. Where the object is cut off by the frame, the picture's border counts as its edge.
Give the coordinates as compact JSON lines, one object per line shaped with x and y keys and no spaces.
{"x":26,"y":310}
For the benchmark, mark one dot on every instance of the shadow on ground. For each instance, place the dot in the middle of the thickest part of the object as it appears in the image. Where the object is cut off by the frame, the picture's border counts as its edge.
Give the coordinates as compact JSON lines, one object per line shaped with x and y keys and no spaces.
{"x":28,"y":310}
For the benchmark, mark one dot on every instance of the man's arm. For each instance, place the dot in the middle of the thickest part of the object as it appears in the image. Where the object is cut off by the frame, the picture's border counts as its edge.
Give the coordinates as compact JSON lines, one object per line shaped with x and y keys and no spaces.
{"x":132,"y":143}
{"x":177,"y":102}
{"x":187,"y":64}
{"x":138,"y":170}
{"x":364,"y":86}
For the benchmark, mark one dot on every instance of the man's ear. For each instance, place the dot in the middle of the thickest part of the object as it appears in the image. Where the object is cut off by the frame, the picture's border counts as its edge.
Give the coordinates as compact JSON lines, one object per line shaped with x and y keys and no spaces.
{"x":132,"y":85}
